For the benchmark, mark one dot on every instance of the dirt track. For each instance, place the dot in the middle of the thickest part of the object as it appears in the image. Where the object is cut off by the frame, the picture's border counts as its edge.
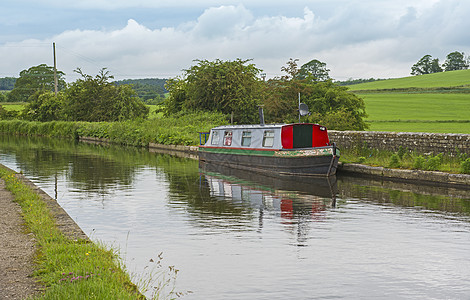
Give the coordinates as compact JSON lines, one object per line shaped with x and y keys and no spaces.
{"x":17,"y":250}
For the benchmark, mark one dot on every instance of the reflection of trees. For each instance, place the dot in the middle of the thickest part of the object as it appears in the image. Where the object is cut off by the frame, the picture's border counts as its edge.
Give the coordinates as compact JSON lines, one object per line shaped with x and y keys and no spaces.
{"x":405,"y":194}
{"x":36,"y":155}
{"x":89,"y":167}
{"x":94,"y":173}
{"x":188,"y":187}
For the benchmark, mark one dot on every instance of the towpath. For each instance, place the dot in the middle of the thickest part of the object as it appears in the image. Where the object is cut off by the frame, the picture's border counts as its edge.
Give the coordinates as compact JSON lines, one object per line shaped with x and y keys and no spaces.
{"x":17,"y":251}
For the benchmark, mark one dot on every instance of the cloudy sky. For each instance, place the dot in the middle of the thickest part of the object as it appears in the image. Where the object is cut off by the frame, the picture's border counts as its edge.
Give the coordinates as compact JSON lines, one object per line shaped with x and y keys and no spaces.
{"x":160,"y":38}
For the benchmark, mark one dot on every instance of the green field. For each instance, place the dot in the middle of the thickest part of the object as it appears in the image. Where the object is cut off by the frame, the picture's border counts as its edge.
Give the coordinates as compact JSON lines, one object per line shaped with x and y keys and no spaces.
{"x":429,"y":107}
{"x":443,"y":113}
{"x":13,"y":106}
{"x":437,"y":102}
{"x":443,"y":79}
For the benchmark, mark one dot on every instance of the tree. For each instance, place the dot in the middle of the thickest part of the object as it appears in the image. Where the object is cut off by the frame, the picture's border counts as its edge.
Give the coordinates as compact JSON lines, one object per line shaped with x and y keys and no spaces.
{"x":7,"y":83}
{"x":45,"y":106}
{"x":223,"y":86}
{"x":426,"y":65}
{"x":291,"y":68}
{"x":456,"y":61}
{"x":96,"y":99}
{"x":35,"y":79}
{"x":177,"y":95}
{"x":435,"y":66}
{"x":330,"y":104}
{"x":334,"y":106}
{"x":315,"y":70}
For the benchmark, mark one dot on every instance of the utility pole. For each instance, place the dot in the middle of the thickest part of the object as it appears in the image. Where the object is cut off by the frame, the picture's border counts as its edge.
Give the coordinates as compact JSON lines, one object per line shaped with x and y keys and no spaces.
{"x":55,"y":71}
{"x":299,"y":107}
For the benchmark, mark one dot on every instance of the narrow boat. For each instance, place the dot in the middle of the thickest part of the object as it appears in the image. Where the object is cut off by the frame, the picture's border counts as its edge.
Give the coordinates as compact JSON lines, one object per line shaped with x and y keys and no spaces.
{"x":299,"y":149}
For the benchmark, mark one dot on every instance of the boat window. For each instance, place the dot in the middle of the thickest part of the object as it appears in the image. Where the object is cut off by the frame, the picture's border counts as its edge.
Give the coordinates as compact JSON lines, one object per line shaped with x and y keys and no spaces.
{"x":215,"y":138}
{"x":246,"y":138}
{"x":268,"y":138}
{"x":228,"y":138}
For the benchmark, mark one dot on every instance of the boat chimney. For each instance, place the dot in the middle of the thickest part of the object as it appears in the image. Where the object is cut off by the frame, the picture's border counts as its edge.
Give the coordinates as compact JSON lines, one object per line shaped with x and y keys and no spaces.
{"x":261,"y":114}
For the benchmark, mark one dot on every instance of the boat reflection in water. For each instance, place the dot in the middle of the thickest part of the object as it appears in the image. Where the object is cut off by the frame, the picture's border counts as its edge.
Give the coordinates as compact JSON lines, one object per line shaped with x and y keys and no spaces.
{"x":296,"y":198}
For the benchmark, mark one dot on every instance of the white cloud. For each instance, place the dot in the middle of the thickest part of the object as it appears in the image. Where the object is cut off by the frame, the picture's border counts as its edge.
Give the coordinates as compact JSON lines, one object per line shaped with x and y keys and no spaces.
{"x":222,"y":21}
{"x":356,"y":39}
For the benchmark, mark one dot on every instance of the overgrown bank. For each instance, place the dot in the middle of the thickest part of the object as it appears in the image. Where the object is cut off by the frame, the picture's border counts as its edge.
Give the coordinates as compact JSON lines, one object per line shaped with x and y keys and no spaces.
{"x":177,"y":130}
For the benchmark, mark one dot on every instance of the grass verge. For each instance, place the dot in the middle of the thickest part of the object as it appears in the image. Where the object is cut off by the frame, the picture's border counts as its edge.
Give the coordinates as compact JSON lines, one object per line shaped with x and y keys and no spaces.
{"x":406,"y":159}
{"x":68,"y":269}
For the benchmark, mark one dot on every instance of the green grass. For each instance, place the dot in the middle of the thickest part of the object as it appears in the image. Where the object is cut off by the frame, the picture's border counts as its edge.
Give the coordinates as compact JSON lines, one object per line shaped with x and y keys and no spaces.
{"x":177,"y":130}
{"x":426,"y":103}
{"x":430,"y":107}
{"x":443,"y":79}
{"x":405,"y":159}
{"x":68,"y":269}
{"x":400,"y":112}
{"x":421,"y":126}
{"x":20,"y":105}
{"x":13,"y":106}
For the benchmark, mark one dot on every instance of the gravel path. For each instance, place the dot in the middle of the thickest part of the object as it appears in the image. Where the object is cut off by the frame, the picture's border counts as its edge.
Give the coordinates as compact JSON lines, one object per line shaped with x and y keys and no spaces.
{"x":17,"y":250}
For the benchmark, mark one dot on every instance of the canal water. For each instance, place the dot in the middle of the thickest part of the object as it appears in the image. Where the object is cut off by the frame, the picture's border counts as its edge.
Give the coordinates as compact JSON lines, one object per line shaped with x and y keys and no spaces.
{"x":229,"y":235}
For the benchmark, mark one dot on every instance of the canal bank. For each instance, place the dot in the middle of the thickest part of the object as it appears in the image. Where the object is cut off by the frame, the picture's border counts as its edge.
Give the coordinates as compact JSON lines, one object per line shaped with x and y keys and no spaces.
{"x":43,"y":252}
{"x":18,"y":246}
{"x":412,"y":176}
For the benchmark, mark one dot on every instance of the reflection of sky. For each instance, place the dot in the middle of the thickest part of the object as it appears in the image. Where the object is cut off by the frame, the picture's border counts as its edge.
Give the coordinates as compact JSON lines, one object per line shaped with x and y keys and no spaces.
{"x":357,"y":250}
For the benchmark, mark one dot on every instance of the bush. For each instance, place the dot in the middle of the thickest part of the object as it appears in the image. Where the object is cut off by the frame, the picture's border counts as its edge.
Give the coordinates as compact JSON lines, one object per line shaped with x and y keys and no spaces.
{"x":434,"y":163}
{"x":337,"y":120}
{"x":96,"y":99}
{"x":44,"y":106}
{"x":394,"y":161}
{"x":465,"y":166}
{"x":419,"y":163}
{"x":401,"y":152}
{"x":462,"y":156}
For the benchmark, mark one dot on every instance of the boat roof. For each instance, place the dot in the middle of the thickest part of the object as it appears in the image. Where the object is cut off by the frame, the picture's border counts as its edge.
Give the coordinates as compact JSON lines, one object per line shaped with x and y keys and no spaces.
{"x":259,"y":126}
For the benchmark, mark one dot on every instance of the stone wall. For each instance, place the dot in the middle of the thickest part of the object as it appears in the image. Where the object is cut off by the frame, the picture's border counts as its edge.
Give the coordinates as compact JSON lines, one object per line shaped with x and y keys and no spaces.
{"x":420,"y":142}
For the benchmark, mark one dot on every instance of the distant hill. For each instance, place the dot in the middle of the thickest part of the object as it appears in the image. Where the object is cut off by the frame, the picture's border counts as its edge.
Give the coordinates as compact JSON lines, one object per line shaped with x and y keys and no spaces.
{"x":150,"y":90}
{"x":157,"y":82}
{"x":356,"y":81}
{"x":448,"y":79}
{"x":7,"y":83}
